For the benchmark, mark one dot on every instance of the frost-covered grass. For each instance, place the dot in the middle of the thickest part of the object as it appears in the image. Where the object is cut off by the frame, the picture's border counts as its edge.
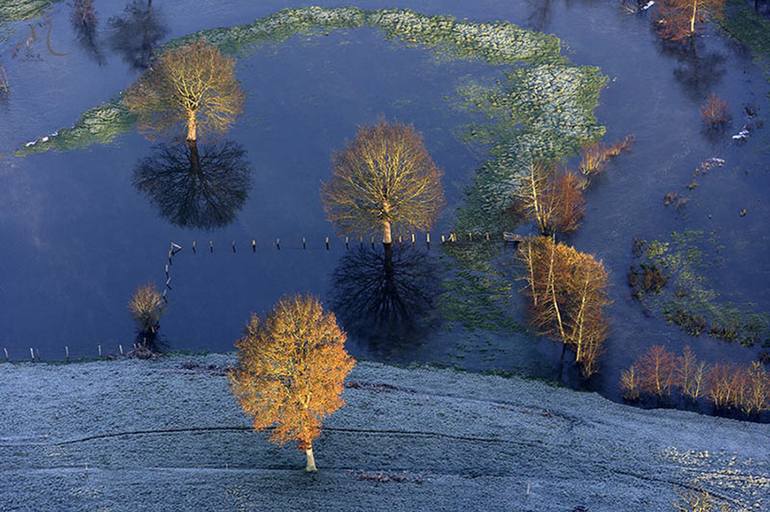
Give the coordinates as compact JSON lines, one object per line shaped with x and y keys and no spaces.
{"x":18,"y":10}
{"x":166,"y":435}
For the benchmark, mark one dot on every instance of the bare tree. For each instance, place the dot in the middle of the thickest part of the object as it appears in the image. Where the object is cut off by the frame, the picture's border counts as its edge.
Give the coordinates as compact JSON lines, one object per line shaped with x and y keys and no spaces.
{"x":193,"y":84}
{"x":677,"y":20}
{"x":383,"y":180}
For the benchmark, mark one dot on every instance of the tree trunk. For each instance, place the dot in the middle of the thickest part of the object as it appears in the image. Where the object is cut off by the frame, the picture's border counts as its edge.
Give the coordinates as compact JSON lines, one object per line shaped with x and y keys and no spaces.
{"x":192,"y":127}
{"x":387,"y":236}
{"x":310,"y":467}
{"x":694,"y":15}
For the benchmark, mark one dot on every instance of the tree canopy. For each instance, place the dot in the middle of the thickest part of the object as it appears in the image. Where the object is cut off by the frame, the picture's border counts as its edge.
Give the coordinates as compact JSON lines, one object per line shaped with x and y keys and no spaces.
{"x":291,"y":371}
{"x":384,"y":179}
{"x":193,"y":84}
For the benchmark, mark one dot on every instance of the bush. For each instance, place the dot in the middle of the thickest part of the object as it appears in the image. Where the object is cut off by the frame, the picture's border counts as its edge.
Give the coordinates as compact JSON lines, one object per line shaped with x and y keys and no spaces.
{"x":147,"y":307}
{"x":715,"y":112}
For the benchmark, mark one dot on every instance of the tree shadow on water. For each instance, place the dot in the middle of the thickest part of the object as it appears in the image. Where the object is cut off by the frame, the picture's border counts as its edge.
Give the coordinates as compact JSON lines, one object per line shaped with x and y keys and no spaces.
{"x":386,"y":297}
{"x":137,"y":34}
{"x":196,"y":188}
{"x":85,"y":24}
{"x":699,"y":70}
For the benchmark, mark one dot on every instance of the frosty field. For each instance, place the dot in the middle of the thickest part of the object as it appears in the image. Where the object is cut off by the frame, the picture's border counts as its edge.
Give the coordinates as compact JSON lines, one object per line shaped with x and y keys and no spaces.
{"x":133,"y":435}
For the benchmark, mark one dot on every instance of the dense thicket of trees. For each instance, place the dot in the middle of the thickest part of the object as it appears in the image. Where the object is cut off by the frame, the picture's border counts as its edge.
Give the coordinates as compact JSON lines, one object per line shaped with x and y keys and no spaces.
{"x":384,"y":180}
{"x":194,"y":85}
{"x":291,"y":371}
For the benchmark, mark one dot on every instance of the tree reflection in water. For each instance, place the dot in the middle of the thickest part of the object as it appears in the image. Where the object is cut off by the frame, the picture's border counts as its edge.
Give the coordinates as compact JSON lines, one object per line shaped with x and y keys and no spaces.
{"x":196,"y":188}
{"x":137,"y":33}
{"x":386,"y":296}
{"x":85,"y":24}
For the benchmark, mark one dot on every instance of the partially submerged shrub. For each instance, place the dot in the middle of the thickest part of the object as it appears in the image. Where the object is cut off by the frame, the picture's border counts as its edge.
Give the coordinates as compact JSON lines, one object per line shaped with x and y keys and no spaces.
{"x":594,"y":158}
{"x":715,"y":112}
{"x":147,"y":306}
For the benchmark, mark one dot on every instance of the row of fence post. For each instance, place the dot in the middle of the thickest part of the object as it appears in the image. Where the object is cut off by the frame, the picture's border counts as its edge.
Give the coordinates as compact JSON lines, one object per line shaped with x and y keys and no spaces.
{"x":327,"y":244}
{"x":34,"y":354}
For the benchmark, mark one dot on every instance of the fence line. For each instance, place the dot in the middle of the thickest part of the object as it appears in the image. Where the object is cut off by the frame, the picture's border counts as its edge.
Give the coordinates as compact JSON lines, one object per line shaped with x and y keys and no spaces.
{"x":346,"y":242}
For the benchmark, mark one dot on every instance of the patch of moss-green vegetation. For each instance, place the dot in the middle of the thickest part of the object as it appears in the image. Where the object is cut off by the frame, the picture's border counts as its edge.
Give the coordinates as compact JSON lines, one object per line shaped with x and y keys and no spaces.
{"x":750,"y":28}
{"x":496,"y":43}
{"x":669,"y":277}
{"x":478,"y":293}
{"x":19,"y":10}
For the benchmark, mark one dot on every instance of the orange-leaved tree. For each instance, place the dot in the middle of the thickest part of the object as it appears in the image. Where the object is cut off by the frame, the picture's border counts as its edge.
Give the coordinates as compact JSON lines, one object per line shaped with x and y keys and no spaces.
{"x":384,"y":179}
{"x":677,"y":20}
{"x":291,"y":371}
{"x":194,"y":85}
{"x":568,"y":293}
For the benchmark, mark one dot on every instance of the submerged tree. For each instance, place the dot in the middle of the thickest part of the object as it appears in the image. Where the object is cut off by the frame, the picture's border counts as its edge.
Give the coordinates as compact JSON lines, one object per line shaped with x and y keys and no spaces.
{"x":678,"y":19}
{"x":568,"y":293}
{"x":553,"y":200}
{"x":193,"y":84}
{"x":196,"y":188}
{"x":147,"y":307}
{"x":385,"y":295}
{"x":137,"y":33}
{"x":85,"y":23}
{"x":291,"y":371}
{"x":383,"y":180}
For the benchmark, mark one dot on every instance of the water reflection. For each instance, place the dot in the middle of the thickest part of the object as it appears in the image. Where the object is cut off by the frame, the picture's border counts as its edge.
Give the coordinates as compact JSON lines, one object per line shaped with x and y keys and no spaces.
{"x":137,"y":33}
{"x":699,"y":70}
{"x":85,"y":22}
{"x":386,"y":296}
{"x":196,"y":187}
{"x":539,"y":15}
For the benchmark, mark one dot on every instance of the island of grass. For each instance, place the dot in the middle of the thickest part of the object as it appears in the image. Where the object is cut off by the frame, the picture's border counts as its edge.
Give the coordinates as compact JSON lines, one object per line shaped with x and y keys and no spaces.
{"x":543,"y":109}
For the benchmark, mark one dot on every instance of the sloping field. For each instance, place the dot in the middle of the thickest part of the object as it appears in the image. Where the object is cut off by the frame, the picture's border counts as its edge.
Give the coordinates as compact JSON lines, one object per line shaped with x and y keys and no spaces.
{"x":166,"y":435}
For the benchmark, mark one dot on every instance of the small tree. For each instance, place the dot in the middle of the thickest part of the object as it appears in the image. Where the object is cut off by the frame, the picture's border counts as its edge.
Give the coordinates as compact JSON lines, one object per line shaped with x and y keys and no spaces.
{"x":678,"y":19}
{"x":656,"y":371}
{"x":385,"y":178}
{"x":690,"y":374}
{"x":291,"y":371}
{"x":715,"y":112}
{"x":147,"y":307}
{"x":193,"y":84}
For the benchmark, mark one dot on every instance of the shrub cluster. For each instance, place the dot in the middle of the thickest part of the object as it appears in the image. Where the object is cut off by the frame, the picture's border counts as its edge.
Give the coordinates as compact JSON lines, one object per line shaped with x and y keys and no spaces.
{"x":659,"y":373}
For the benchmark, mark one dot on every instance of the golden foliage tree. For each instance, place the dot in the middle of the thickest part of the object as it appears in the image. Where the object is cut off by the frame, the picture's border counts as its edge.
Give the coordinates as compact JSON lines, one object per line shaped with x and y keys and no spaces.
{"x":553,"y":200}
{"x":147,"y":307}
{"x":291,"y":371}
{"x":193,"y":84}
{"x":384,"y":179}
{"x":677,"y":20}
{"x":568,"y":293}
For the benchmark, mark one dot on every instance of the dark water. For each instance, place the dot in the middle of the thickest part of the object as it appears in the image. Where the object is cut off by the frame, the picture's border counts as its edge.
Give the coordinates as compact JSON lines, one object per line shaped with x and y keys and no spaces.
{"x":78,"y":238}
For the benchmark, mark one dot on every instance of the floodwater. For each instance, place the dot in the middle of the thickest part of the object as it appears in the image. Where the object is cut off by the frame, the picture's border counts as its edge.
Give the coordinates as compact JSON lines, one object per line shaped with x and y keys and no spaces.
{"x":78,"y":237}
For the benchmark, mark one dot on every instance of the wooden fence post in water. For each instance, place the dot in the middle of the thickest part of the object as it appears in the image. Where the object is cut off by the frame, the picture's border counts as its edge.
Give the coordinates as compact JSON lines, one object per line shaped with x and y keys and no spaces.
{"x":66,"y":353}
{"x":327,"y":243}
{"x":278,"y":243}
{"x":427,"y":240}
{"x":233,"y":246}
{"x":32,"y":353}
{"x":195,"y":247}
{"x":372,"y":240}
{"x":211,"y":246}
{"x":487,"y":236}
{"x":120,"y":347}
{"x":443,"y":239}
{"x":347,"y":243}
{"x":253,"y":245}
{"x":99,"y":347}
{"x":414,"y":239}
{"x":304,"y":243}
{"x":5,"y":351}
